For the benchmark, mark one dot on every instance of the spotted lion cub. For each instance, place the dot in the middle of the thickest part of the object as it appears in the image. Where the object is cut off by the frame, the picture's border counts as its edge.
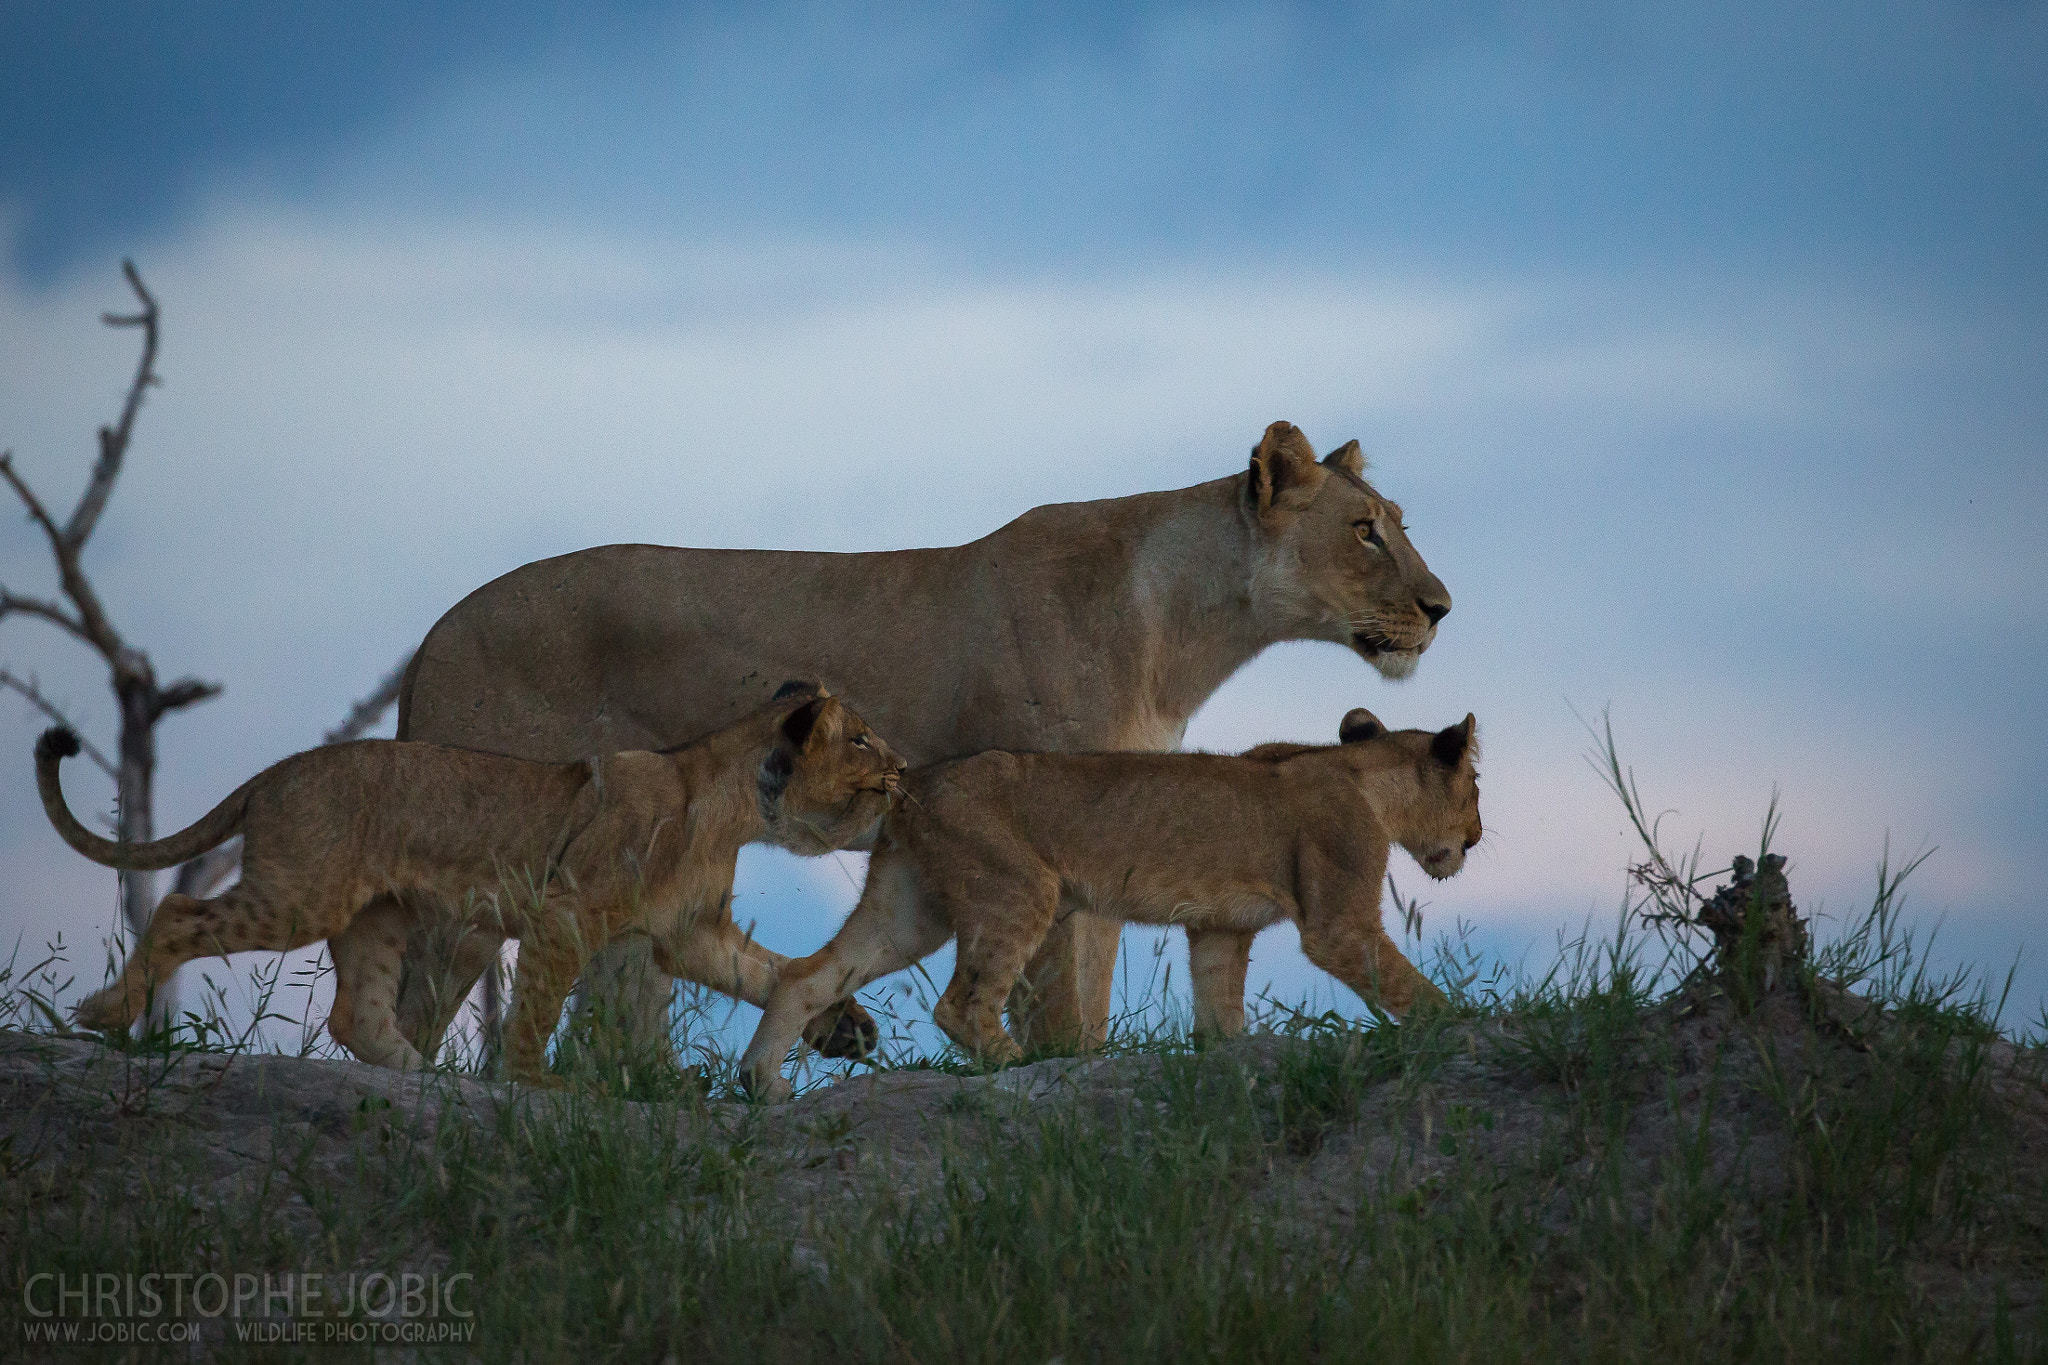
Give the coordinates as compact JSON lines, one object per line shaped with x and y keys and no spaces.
{"x":987,"y":850}
{"x":563,"y":856}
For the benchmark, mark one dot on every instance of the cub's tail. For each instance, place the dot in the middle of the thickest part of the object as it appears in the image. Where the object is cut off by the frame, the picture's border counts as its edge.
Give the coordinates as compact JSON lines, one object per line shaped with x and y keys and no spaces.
{"x":217,"y":826}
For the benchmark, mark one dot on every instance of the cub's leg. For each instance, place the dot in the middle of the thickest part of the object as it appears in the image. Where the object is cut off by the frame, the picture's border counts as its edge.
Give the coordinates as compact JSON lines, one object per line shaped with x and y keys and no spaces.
{"x":889,"y":929}
{"x":996,"y":933}
{"x":717,"y":953}
{"x":1371,"y":965}
{"x":239,"y":919}
{"x":446,"y":958}
{"x":1062,"y":1000}
{"x":551,"y":957}
{"x":1341,"y":932}
{"x":366,"y":967}
{"x":1217,"y":959}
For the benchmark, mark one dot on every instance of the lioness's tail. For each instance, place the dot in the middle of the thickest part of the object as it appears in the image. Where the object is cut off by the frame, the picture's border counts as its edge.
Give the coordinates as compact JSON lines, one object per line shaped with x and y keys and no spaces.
{"x":217,"y":826}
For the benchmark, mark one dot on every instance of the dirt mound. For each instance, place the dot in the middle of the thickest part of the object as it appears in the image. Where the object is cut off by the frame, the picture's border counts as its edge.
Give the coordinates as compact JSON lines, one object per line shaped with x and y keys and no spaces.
{"x":1573,"y":1130}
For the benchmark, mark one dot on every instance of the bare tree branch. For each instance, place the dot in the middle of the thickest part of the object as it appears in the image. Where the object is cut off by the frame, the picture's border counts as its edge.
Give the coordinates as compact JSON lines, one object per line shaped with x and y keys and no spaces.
{"x":182,"y":693}
{"x":37,"y":512}
{"x":49,"y":708}
{"x":49,"y":611}
{"x":364,"y":713}
{"x":91,"y":624}
{"x":114,"y":439}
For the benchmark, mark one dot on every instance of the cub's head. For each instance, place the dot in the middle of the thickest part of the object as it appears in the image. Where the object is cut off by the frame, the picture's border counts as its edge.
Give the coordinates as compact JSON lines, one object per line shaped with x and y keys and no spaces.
{"x":826,"y":779}
{"x":1423,"y":785}
{"x":1331,"y":557}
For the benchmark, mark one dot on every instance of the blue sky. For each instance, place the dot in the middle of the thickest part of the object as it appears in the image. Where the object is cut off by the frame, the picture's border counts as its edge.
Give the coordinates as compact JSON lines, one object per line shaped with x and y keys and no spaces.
{"x":1704,"y":347}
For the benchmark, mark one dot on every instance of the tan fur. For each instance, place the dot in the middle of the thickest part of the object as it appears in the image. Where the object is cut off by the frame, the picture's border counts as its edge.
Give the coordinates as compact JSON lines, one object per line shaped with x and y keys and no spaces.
{"x":988,"y":850}
{"x":562,"y":856}
{"x":1077,"y":627}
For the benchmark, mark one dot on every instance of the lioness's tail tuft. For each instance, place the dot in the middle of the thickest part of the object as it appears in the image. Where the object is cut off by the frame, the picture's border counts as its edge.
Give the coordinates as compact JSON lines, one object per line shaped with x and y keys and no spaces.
{"x":58,"y":742}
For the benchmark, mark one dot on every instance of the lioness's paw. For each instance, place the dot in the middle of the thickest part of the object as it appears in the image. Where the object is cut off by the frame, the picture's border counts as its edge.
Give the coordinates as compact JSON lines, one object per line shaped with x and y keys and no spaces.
{"x":844,"y":1030}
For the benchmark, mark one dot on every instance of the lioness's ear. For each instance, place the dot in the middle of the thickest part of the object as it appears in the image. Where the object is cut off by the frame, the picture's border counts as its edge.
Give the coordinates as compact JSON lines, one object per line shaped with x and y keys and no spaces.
{"x":1358,"y":726}
{"x":1284,"y":476}
{"x":1349,"y":458}
{"x":1449,"y":746}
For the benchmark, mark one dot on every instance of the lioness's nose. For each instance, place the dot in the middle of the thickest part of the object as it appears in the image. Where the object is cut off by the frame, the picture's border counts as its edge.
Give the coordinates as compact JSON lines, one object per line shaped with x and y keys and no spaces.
{"x":1436,"y":609}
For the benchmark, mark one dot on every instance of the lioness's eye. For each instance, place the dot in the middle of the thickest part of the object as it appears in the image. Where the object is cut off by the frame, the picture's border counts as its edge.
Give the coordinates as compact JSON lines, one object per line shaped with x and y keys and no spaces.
{"x":860,"y":741}
{"x":1369,"y":532}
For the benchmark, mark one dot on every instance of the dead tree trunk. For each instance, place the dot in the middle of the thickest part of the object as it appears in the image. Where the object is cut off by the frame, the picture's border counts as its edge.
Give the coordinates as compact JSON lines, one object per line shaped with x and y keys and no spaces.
{"x":142,"y":700}
{"x":1760,"y":942}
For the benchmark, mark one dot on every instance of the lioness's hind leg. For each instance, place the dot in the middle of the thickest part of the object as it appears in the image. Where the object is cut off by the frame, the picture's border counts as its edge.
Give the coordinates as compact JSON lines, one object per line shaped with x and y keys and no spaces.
{"x":367,"y":956}
{"x":239,"y":919}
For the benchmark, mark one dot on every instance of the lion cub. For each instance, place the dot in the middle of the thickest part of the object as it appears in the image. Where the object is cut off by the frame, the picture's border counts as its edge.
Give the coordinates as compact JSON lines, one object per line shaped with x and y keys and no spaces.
{"x":987,"y":849}
{"x":563,"y":856}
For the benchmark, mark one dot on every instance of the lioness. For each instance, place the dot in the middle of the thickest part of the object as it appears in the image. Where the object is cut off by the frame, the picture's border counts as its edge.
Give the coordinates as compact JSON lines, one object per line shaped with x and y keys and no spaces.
{"x":986,"y":849}
{"x":1078,"y":627}
{"x":563,"y":856}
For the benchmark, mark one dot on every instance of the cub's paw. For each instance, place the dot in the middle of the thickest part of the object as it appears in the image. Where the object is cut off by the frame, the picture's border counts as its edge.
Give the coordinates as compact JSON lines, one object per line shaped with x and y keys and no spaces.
{"x":843,"y":1030}
{"x":105,"y":1011}
{"x":542,"y":1080}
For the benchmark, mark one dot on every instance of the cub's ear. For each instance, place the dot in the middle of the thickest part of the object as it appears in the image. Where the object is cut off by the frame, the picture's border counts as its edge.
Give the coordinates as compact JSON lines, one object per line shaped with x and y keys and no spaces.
{"x":1349,"y":458}
{"x":1448,"y":746}
{"x":1284,"y":476}
{"x":796,"y":730}
{"x":798,"y":687}
{"x":1358,"y":726}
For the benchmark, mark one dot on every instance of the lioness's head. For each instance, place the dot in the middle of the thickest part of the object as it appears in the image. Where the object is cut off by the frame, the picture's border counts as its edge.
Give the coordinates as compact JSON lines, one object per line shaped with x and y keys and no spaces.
{"x":1424,"y":786}
{"x":1332,"y":559}
{"x":827,"y":778}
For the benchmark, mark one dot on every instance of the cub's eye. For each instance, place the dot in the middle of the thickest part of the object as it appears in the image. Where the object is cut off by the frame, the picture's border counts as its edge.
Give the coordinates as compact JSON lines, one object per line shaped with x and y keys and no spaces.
{"x":860,"y":741}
